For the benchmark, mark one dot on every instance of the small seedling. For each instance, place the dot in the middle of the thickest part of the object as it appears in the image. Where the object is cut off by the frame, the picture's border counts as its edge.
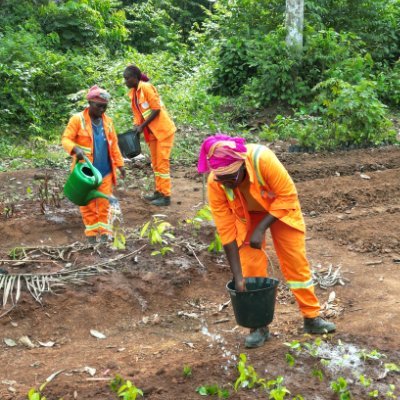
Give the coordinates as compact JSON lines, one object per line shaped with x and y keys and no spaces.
{"x":33,"y":394}
{"x":290,"y":359}
{"x":247,"y":375}
{"x":216,"y":245}
{"x":390,"y":393}
{"x":128,"y":391}
{"x":124,"y":388}
{"x":278,"y":391}
{"x":340,"y":387}
{"x":158,"y":232}
{"x":211,"y":390}
{"x":374,"y":393}
{"x":187,"y":371}
{"x":318,"y":374}
{"x":372,"y":355}
{"x":391,"y":367}
{"x":116,"y":383}
{"x":365,"y":381}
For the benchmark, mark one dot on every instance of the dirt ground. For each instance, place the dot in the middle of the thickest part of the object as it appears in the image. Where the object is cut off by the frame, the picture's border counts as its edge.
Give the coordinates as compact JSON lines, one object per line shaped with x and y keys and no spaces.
{"x":161,"y":314}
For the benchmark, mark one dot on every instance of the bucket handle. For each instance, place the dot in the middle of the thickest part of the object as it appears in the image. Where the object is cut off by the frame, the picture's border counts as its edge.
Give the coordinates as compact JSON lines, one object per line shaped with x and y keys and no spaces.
{"x":91,"y":167}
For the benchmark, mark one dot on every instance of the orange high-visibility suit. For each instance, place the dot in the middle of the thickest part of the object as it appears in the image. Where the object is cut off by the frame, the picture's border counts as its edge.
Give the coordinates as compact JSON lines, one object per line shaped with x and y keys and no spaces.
{"x":159,"y":133}
{"x":237,"y":212}
{"x":79,"y":133}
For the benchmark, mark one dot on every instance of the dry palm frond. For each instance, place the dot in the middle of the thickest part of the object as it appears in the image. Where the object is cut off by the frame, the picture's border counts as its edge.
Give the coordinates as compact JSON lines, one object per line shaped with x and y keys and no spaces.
{"x":327,"y":276}
{"x":38,"y":284}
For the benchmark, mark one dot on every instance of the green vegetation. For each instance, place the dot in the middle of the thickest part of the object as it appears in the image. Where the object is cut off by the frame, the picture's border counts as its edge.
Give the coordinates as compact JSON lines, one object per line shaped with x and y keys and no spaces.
{"x":158,"y":233}
{"x":125,"y":388}
{"x":218,"y":66}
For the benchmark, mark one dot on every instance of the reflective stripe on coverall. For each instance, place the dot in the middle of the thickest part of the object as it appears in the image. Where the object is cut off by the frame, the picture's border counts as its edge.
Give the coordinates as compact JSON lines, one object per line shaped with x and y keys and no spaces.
{"x":272,"y":187}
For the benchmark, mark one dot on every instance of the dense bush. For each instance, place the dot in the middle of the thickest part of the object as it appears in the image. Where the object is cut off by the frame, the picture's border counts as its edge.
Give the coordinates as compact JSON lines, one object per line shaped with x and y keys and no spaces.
{"x":349,"y":116}
{"x":214,"y":63}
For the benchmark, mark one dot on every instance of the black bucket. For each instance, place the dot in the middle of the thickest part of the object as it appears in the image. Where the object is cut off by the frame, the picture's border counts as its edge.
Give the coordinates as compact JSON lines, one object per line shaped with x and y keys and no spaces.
{"x":255,"y":307}
{"x":129,"y":143}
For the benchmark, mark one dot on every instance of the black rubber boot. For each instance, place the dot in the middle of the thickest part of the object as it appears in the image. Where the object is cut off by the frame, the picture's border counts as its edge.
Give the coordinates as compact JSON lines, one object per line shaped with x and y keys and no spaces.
{"x":154,"y":196}
{"x":257,"y":338}
{"x":162,"y":201}
{"x":318,"y":325}
{"x":92,"y":239}
{"x":104,"y":238}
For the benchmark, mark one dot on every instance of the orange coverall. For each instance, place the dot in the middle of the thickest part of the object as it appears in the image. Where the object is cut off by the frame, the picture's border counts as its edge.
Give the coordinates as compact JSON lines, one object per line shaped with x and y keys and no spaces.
{"x":159,"y":133}
{"x":79,"y":133}
{"x":271,"y":191}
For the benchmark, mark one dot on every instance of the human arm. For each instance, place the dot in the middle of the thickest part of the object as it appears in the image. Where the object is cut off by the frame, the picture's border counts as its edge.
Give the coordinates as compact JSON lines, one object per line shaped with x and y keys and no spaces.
{"x":225,"y":221}
{"x":69,"y":138}
{"x":147,"y":121}
{"x":115,"y":151}
{"x":122,"y":172}
{"x":232,"y":254}
{"x":257,"y":236}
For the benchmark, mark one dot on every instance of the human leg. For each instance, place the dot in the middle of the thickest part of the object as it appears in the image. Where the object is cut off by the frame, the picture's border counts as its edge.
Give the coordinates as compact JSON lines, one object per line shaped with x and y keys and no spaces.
{"x":289,"y":245}
{"x":162,"y":170}
{"x":103,"y":207}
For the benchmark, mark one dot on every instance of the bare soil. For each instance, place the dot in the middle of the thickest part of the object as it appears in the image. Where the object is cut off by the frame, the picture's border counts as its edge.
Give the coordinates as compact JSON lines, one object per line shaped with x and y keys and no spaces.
{"x":160,"y":314}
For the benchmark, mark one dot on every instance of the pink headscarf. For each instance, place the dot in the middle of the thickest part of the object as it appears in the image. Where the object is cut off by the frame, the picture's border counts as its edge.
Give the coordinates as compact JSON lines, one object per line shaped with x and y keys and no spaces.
{"x":222,"y":154}
{"x":98,"y":94}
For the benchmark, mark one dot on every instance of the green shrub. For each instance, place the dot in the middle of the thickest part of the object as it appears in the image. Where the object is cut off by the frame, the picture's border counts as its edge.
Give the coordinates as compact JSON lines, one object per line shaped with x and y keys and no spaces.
{"x":345,"y":116}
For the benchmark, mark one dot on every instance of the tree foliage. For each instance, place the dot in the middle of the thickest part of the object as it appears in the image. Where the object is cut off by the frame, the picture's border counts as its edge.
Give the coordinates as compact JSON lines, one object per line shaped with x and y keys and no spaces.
{"x":215,"y":64}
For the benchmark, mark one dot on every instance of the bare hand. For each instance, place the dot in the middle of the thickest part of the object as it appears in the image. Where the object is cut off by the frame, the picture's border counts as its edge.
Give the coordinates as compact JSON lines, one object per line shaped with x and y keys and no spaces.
{"x":256,"y":239}
{"x":139,"y":128}
{"x":240,"y":285}
{"x":122,"y":172}
{"x":79,"y":153}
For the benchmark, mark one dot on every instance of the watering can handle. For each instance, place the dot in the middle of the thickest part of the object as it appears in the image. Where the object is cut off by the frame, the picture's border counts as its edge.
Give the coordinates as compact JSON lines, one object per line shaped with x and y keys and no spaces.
{"x":90,"y":165}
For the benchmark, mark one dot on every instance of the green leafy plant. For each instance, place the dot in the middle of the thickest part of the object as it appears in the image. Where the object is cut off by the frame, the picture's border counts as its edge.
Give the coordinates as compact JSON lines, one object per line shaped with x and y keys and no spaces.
{"x":370,"y":355}
{"x":390,"y":393}
{"x":318,"y":374}
{"x":116,"y":383}
{"x":187,"y":371}
{"x":204,"y":214}
{"x":247,"y":375}
{"x":391,"y":367}
{"x":366,"y":382}
{"x":216,"y":245}
{"x":158,"y":232}
{"x":277,"y":390}
{"x":33,"y":394}
{"x":290,"y":359}
{"x":340,"y":386}
{"x":124,"y":388}
{"x":211,"y":390}
{"x":128,"y":391}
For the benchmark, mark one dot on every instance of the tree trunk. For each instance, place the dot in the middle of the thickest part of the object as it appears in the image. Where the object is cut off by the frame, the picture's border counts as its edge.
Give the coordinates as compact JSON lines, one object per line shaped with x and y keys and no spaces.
{"x":294,"y":24}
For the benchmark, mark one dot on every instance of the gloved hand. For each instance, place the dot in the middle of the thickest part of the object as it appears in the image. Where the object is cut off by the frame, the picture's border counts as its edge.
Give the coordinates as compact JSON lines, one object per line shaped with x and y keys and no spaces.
{"x":79,"y":153}
{"x":122,"y":172}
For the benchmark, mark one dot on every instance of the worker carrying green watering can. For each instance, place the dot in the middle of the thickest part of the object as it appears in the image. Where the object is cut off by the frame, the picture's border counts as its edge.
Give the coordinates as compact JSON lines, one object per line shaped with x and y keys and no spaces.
{"x":250,"y":191}
{"x":90,"y":137}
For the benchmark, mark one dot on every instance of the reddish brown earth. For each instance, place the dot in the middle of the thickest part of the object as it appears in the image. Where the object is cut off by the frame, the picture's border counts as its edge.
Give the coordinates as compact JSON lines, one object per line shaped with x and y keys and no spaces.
{"x":160,"y":314}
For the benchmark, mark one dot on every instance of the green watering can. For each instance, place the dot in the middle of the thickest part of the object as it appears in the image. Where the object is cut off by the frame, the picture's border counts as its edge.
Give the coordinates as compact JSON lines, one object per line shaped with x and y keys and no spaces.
{"x":82,"y":183}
